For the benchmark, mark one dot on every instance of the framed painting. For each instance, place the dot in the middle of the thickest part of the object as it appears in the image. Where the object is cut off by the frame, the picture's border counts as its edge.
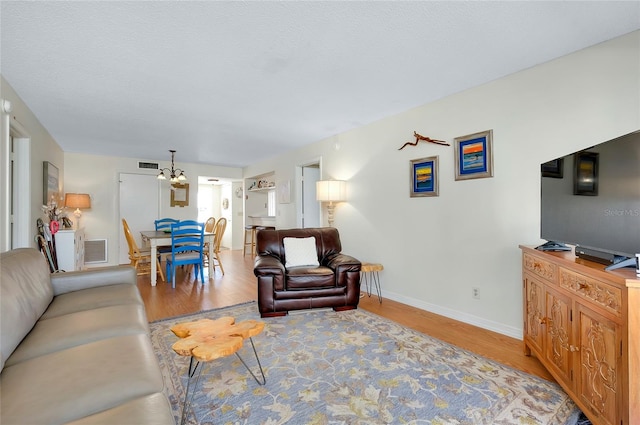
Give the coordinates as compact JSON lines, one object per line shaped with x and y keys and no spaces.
{"x":50,"y":183}
{"x":180,"y":194}
{"x":553,"y":168}
{"x":585,"y":177}
{"x":474,"y":155}
{"x":284,"y":192}
{"x":424,"y":177}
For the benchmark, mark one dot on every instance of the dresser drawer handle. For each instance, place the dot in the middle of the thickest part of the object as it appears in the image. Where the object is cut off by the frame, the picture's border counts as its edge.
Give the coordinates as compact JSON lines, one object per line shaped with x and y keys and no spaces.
{"x":583,"y":285}
{"x":573,"y":348}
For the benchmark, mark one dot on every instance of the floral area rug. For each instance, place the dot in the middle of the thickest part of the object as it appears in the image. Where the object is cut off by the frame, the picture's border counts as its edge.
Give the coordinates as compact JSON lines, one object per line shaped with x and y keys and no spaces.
{"x":353,"y":367}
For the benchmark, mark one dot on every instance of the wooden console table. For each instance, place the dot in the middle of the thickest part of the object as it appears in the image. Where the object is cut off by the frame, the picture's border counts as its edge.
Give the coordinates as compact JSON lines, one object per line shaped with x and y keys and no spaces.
{"x":583,"y":324}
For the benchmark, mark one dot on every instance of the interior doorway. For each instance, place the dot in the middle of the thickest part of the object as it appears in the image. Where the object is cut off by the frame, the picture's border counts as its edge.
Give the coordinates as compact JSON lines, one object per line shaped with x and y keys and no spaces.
{"x":222,"y":197}
{"x":309,"y":207}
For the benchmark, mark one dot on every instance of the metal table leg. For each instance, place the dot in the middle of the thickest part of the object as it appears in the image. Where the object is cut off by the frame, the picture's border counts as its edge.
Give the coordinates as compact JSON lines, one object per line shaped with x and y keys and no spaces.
{"x":195,"y":366}
{"x":376,"y":280}
{"x":188,"y":398}
{"x":264,"y":379}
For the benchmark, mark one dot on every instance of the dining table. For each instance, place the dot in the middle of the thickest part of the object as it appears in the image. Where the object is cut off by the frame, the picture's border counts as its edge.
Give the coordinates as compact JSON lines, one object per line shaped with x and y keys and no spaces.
{"x":156,"y":238}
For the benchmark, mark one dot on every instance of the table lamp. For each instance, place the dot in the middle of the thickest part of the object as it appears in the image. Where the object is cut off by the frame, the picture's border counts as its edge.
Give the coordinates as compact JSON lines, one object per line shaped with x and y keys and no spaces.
{"x":77,"y":201}
{"x":331,"y":191}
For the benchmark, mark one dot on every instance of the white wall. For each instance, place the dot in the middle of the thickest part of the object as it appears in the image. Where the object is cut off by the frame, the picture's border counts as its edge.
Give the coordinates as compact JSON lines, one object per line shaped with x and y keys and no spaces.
{"x":98,"y":176}
{"x":227,"y":238}
{"x":434,"y":250}
{"x":237,"y":216}
{"x":43,"y":148}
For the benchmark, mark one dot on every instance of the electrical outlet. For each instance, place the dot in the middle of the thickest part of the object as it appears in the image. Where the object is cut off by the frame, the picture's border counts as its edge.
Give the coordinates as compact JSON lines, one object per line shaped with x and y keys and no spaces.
{"x":475,"y":293}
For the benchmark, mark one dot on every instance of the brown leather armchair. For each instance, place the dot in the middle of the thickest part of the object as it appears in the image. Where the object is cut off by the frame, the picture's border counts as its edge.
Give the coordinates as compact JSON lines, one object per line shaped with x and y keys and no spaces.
{"x":334,"y":283}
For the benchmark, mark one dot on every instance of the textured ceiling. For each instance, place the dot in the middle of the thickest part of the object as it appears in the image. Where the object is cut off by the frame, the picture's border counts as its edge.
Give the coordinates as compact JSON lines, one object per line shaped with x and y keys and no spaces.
{"x":232,"y":83}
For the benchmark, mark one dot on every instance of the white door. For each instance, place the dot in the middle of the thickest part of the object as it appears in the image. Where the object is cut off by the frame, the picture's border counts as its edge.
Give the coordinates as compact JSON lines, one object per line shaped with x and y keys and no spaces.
{"x":20,"y":169}
{"x":20,"y":192}
{"x":139,"y":205}
{"x":310,"y":207}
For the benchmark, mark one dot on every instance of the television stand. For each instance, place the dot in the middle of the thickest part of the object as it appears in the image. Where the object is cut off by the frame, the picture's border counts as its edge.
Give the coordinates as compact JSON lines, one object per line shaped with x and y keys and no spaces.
{"x":581,"y":322}
{"x":553,"y":246}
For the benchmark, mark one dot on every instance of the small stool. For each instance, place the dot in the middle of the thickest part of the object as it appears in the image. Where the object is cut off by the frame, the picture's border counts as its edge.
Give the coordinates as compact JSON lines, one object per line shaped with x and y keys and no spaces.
{"x":249,"y":230}
{"x":370,"y":276}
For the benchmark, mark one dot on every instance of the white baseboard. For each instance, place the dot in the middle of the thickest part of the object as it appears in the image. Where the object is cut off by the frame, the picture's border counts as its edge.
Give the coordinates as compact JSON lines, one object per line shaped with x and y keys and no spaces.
{"x":490,"y":325}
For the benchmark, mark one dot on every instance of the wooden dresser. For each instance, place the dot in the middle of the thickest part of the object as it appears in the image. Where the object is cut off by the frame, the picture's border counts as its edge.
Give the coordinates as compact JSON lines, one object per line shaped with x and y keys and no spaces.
{"x":583,"y":324}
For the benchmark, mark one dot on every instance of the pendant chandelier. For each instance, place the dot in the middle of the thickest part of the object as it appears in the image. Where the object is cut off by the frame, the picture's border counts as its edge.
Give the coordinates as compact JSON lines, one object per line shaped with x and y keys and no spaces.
{"x":175,"y":174}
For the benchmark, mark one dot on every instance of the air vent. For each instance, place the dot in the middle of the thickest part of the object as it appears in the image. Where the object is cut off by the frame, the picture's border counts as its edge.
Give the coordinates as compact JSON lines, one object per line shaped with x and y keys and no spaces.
{"x":148,"y":165}
{"x":95,"y":251}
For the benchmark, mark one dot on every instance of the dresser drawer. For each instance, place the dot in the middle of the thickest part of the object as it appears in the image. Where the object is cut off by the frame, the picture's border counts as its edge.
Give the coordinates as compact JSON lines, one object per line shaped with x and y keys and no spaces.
{"x":540,"y":267}
{"x":599,"y":293}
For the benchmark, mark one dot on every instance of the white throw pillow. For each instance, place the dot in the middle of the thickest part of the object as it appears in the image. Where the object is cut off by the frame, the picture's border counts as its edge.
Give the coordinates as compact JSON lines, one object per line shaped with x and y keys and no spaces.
{"x":300,"y":252}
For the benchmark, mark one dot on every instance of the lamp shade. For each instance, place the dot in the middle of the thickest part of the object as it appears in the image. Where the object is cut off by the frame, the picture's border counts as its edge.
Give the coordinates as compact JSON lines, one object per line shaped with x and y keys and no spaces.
{"x":331,"y":190}
{"x":77,"y":200}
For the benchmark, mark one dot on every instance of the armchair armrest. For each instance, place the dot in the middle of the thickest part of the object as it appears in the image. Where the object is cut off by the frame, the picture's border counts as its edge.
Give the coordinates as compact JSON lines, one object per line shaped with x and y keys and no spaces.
{"x":74,"y":281}
{"x":343,"y":263}
{"x":268,"y":265}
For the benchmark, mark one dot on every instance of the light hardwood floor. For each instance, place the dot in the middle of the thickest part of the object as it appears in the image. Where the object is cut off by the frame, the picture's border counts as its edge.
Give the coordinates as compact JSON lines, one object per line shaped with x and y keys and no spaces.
{"x":238,"y":285}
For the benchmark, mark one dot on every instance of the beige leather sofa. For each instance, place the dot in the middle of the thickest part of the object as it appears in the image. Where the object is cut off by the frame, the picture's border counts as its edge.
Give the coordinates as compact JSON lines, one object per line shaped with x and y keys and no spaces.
{"x":75,"y":347}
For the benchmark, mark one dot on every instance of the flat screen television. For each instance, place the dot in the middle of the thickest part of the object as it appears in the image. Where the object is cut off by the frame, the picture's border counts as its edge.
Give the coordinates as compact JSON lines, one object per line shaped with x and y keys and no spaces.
{"x":591,"y":199}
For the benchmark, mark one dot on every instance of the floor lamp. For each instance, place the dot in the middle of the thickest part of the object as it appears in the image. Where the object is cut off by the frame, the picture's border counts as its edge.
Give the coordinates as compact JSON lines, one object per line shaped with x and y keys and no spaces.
{"x":331,"y":191}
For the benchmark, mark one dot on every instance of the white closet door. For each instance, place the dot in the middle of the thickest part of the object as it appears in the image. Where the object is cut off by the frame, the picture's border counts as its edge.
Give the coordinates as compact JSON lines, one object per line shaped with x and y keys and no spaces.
{"x":139,"y":205}
{"x":310,"y":207}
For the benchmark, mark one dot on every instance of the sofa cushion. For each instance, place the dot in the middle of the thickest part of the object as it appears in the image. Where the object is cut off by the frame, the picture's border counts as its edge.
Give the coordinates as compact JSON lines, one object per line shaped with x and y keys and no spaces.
{"x":88,"y":299}
{"x":70,"y":330}
{"x":301,"y":278}
{"x":26,"y":293}
{"x":91,"y":278}
{"x":151,"y":409}
{"x":300,"y":252}
{"x":70,"y":384}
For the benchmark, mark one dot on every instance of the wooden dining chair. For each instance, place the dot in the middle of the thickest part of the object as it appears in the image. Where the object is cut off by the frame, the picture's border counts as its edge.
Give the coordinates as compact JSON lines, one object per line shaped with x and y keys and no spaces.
{"x":140,"y":259}
{"x":221,"y":226}
{"x":187,"y":243}
{"x":209,"y":225}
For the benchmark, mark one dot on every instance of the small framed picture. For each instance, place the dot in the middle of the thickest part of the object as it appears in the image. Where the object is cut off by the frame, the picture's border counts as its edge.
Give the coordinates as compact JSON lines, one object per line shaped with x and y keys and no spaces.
{"x":179,"y":195}
{"x":50,"y":183}
{"x":553,"y":169}
{"x":474,"y":155}
{"x":424,"y":177}
{"x":585,"y":177}
{"x":284,"y":192}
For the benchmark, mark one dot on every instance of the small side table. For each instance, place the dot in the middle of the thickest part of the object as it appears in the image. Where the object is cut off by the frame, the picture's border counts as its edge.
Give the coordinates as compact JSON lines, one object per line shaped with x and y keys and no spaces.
{"x":205,"y":340}
{"x":370,"y":276}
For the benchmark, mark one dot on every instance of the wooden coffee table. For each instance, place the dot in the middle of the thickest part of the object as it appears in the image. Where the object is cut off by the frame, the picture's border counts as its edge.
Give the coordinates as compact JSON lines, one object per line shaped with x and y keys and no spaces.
{"x":206,"y":340}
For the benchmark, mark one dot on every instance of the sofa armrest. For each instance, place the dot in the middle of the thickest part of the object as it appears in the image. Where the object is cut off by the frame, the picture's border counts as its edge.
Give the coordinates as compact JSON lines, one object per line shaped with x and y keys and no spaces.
{"x":77,"y":280}
{"x":268,"y":265}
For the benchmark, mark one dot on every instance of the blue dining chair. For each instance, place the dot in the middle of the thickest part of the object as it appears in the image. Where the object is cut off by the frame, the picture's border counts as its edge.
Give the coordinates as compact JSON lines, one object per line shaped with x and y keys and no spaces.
{"x":164,"y":225}
{"x":187,"y":242}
